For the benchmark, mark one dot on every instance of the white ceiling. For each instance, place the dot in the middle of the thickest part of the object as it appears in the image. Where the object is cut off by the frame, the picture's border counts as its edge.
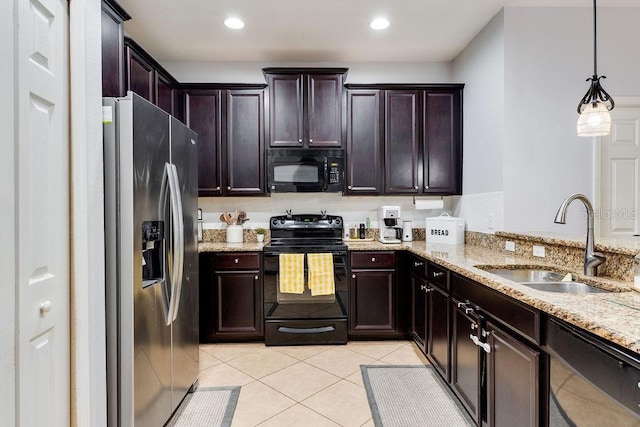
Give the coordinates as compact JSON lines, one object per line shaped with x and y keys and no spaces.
{"x":317,"y":30}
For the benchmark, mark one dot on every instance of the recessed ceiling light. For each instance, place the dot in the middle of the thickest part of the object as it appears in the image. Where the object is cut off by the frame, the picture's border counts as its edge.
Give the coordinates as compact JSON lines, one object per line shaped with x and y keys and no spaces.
{"x":379,"y":24}
{"x":234,"y":23}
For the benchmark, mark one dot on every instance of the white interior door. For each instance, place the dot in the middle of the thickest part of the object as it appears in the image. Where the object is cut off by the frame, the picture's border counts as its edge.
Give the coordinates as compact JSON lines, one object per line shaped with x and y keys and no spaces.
{"x":620,"y":174}
{"x":43,"y":278}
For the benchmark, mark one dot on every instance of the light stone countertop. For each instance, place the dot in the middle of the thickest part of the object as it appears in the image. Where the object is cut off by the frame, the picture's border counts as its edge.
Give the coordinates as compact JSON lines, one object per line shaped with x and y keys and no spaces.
{"x":613,"y":316}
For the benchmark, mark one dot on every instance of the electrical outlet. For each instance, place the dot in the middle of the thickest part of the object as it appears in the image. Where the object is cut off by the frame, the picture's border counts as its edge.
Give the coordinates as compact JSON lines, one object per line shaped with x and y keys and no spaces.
{"x":490,"y":221}
{"x":510,"y":246}
{"x":538,"y":251}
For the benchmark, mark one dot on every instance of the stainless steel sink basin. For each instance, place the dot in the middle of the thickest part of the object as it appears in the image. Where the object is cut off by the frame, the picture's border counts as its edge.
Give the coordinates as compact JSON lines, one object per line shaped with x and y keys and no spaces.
{"x":565,"y":287}
{"x":526,"y":274}
{"x":544,"y":280}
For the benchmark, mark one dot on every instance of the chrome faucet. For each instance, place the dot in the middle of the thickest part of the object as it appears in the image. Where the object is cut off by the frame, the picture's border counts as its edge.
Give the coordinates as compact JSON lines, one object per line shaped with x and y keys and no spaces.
{"x":592,"y":259}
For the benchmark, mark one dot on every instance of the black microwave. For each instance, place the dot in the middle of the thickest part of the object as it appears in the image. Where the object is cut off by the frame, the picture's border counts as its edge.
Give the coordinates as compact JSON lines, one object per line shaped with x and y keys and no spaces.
{"x":305,"y":170}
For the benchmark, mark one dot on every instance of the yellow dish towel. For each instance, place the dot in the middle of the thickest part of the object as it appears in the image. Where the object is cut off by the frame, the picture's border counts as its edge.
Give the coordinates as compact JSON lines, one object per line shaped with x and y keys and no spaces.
{"x":291,"y":273}
{"x":321,"y":281}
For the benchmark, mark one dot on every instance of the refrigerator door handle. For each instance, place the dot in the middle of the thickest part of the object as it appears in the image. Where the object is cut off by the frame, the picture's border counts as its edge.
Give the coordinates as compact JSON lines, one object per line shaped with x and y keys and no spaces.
{"x":179,"y":237}
{"x":176,"y":225}
{"x":165,"y":193}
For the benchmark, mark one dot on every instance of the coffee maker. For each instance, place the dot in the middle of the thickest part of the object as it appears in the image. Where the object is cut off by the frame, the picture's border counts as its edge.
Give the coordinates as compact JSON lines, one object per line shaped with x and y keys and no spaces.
{"x":389,"y":227}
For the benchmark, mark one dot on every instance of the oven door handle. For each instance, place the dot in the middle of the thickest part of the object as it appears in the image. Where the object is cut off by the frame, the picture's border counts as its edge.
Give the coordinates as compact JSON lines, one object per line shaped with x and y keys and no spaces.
{"x":288,"y":330}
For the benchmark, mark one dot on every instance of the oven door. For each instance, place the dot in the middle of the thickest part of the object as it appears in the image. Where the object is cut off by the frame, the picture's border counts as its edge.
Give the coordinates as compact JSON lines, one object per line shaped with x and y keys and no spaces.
{"x":302,"y":318}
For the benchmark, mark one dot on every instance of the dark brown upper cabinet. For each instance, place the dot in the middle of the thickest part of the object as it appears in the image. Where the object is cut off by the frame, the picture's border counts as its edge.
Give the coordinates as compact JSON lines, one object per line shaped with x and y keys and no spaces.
{"x":364,"y":142}
{"x":442,"y":142}
{"x":305,"y":107}
{"x":146,"y":77}
{"x":113,"y":66}
{"x":401,"y":141}
{"x":230,"y":125}
{"x":414,"y":139}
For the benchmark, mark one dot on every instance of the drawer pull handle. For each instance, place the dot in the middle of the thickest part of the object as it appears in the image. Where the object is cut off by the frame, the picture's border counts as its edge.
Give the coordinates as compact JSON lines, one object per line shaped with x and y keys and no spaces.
{"x":288,"y":330}
{"x":461,"y":304}
{"x":418,"y":264}
{"x":373,"y":259}
{"x":483,"y":345}
{"x":423,"y":288}
{"x":236,"y":260}
{"x":438,"y":273}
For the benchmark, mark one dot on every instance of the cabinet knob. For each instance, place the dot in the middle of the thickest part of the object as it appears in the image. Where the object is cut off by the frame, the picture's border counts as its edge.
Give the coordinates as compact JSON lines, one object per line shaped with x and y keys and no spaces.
{"x":300,"y":140}
{"x":418,"y":264}
{"x":349,"y":187}
{"x":45,"y":307}
{"x":423,"y":288}
{"x":373,"y":259}
{"x":438,"y":273}
{"x":415,"y":187}
{"x":236,"y":260}
{"x":228,"y":187}
{"x":255,"y":277}
{"x":353,"y":276}
{"x":310,"y":139}
{"x":218,"y":188}
{"x":426,"y":187}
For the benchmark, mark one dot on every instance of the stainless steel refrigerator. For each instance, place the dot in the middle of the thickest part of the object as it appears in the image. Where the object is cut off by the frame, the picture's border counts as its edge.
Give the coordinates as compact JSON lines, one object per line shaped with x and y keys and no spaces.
{"x":152,"y":261}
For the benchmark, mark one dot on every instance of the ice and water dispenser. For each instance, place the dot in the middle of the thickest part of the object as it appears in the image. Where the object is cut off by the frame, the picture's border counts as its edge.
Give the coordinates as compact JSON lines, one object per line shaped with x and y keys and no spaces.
{"x":153,"y":252}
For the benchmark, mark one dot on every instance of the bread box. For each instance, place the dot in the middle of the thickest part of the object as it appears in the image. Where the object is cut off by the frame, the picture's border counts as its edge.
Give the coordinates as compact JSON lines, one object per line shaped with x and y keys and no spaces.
{"x":445,"y":229}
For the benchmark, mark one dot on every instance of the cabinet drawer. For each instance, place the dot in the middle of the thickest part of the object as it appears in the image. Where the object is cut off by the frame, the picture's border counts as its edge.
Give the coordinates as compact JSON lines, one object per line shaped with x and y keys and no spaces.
{"x":418,"y":266}
{"x":517,"y":316}
{"x":438,"y":276}
{"x":373,"y":259}
{"x":237,"y":260}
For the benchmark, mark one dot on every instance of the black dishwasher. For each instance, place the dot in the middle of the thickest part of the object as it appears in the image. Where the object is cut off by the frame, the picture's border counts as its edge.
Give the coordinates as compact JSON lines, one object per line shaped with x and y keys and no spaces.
{"x":591,"y":382}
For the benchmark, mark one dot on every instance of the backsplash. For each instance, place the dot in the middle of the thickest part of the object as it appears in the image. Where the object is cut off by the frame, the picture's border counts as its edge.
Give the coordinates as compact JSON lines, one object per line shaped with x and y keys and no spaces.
{"x":354,"y":210}
{"x":483,"y":212}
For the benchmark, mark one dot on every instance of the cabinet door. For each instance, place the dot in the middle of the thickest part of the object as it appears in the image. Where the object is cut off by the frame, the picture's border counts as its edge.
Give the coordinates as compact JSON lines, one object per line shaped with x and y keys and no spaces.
{"x":245,"y":142}
{"x":371,"y":301}
{"x":140,"y":76}
{"x":419,"y":311}
{"x":442,"y":167}
{"x":238,"y":303}
{"x":466,"y":361}
{"x":202,"y":114}
{"x":364,"y":142}
{"x":165,"y":94}
{"x":324,"y":112}
{"x":112,"y":52}
{"x":512,"y":381}
{"x":285,"y":110}
{"x":438,"y":330}
{"x":401,"y":142}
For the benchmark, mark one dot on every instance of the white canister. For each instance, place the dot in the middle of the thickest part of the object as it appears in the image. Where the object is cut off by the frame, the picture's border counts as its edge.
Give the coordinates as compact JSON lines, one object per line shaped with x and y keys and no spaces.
{"x":407,"y":231}
{"x":445,"y":229}
{"x":234,"y":234}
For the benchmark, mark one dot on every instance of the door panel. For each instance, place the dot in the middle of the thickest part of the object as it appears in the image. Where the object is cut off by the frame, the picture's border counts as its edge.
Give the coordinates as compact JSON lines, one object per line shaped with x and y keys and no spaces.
{"x":285,"y":110}
{"x":324,"y":100}
{"x":401,"y":142}
{"x":238,"y":299}
{"x":438,"y":346}
{"x":43,"y":357}
{"x":372,"y":301}
{"x":466,"y":362}
{"x":419,"y":312}
{"x":620,"y":174}
{"x":140,"y":76}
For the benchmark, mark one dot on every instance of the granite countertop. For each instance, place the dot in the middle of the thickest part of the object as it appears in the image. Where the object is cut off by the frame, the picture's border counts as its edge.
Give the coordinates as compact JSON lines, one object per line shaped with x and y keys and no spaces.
{"x":613,"y":316}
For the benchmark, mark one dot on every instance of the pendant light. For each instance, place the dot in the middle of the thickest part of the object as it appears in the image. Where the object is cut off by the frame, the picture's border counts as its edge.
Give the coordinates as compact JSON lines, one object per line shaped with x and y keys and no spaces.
{"x":594,"y":118}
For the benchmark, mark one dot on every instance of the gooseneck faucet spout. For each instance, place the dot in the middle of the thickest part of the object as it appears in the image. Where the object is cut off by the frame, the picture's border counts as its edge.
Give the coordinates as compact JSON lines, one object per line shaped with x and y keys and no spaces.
{"x":592,"y":259}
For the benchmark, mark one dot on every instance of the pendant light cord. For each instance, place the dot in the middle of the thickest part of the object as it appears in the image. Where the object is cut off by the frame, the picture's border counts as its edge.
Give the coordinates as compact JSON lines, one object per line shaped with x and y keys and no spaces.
{"x":595,"y":41}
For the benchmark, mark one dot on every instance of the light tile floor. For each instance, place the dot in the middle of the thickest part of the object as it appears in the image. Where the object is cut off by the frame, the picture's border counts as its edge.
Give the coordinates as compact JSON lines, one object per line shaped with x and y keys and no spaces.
{"x":301,"y":385}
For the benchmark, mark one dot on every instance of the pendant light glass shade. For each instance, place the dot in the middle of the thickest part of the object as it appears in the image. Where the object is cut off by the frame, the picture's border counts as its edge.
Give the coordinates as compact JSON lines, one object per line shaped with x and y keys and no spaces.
{"x":595,"y":120}
{"x":593,"y":109}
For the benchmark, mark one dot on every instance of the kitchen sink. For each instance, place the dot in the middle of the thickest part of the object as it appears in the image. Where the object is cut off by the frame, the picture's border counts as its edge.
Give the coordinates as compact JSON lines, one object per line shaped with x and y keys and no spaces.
{"x":565,"y":287}
{"x":543,"y":280}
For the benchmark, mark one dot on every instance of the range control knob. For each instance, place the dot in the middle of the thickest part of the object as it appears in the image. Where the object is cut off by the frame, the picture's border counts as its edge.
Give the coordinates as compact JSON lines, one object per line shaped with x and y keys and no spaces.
{"x":274,"y":222}
{"x":338,"y":222}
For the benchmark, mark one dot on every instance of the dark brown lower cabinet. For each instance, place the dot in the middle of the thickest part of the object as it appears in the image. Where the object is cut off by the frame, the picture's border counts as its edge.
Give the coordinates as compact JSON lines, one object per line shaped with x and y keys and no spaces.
{"x":512,"y":380}
{"x":372,"y":302}
{"x":466,"y":359}
{"x":438,"y":330}
{"x":231,"y":298}
{"x":419,"y":311}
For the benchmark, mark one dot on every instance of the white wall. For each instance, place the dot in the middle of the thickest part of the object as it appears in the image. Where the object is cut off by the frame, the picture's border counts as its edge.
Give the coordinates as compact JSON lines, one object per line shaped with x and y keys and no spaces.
{"x":480,"y":66}
{"x":88,"y":311}
{"x":7,"y":215}
{"x":548,"y":56}
{"x":251,"y":72}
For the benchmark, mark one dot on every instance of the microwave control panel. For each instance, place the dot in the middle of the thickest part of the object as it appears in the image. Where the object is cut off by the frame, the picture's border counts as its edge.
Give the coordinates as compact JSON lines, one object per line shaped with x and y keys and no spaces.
{"x":334,"y":173}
